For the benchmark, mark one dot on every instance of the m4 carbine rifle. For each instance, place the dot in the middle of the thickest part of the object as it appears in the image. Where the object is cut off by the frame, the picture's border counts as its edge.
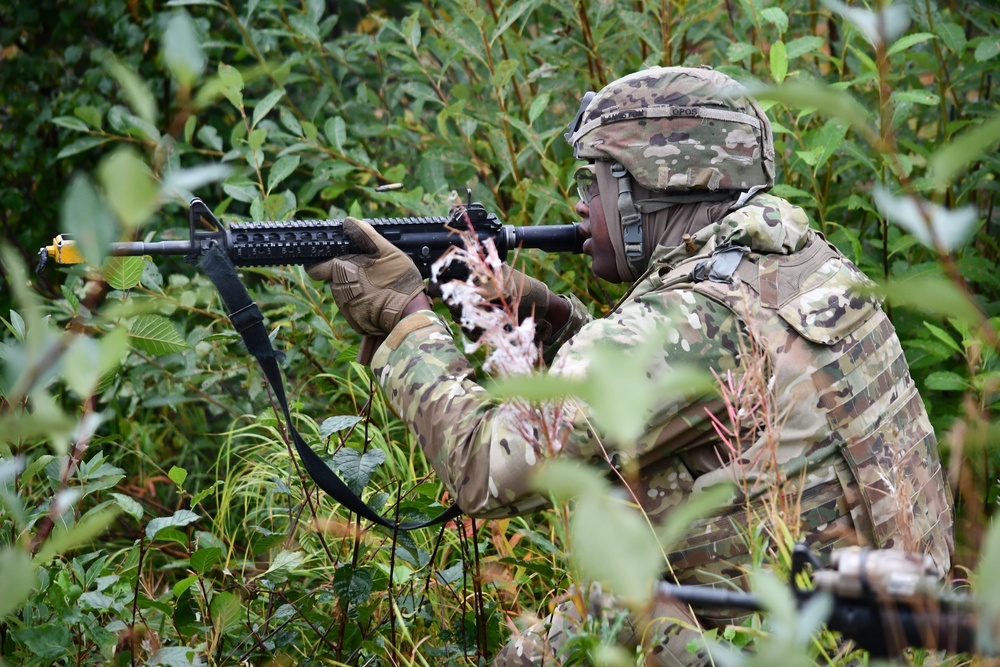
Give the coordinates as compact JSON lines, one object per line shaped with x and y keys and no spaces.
{"x":884,"y":600}
{"x":219,"y":249}
{"x":423,"y":239}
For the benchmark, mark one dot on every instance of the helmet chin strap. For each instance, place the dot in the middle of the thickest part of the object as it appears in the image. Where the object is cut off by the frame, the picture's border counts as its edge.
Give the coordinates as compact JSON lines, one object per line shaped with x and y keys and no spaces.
{"x":631,"y":219}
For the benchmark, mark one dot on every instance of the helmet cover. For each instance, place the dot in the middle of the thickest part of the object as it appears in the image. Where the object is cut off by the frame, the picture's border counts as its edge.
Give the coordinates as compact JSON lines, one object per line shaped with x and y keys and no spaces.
{"x":679,"y":129}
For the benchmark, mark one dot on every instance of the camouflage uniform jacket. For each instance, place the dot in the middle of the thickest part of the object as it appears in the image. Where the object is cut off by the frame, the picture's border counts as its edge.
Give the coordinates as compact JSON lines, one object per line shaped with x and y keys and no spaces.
{"x":854,"y":450}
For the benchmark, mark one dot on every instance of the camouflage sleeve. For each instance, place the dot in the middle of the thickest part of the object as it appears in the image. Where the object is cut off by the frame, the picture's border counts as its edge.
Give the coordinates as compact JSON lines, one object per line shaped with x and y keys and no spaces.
{"x":477,"y":444}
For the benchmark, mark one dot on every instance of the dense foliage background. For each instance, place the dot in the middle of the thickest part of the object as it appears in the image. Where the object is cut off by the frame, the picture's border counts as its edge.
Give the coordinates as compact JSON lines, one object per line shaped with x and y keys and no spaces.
{"x":150,"y":511}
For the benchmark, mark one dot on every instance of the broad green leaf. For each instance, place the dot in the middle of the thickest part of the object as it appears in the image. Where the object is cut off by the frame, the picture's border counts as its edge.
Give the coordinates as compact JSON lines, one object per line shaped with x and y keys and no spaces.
{"x":910,"y":41}
{"x":943,"y":336}
{"x":282,"y":566}
{"x":353,"y":585}
{"x":129,"y":505}
{"x":184,"y":584}
{"x":824,"y":99}
{"x":175,"y":656}
{"x":156,"y":334}
{"x":63,"y":539}
{"x":227,"y":611}
{"x":178,"y":519}
{"x":210,"y":137}
{"x":81,"y":145}
{"x":242,"y":190}
{"x":71,"y":123}
{"x":17,"y":578}
{"x":130,"y":189}
{"x":87,"y":221}
{"x":90,"y":115}
{"x":962,"y":151}
{"x":87,"y":360}
{"x":123,"y":273}
{"x":336,"y":132}
{"x":612,"y":542}
{"x":290,"y":122}
{"x":565,"y":480}
{"x":232,"y":84}
{"x":265,"y":105}
{"x":204,"y":493}
{"x":202,"y":560}
{"x":182,"y":181}
{"x":917,"y":97}
{"x":411,"y":30}
{"x":133,"y":87}
{"x":177,"y":475}
{"x":988,"y":48}
{"x":932,"y":295}
{"x":953,"y":36}
{"x":739,"y":51}
{"x":538,"y":106}
{"x":337,"y":424}
{"x":946,"y":381}
{"x":182,"y":50}
{"x":777,"y":17}
{"x":779,"y":61}
{"x":953,"y":228}
{"x":504,"y":71}
{"x":16,"y":325}
{"x":803,"y":45}
{"x":356,"y":469}
{"x":282,"y":169}
{"x":47,"y":642}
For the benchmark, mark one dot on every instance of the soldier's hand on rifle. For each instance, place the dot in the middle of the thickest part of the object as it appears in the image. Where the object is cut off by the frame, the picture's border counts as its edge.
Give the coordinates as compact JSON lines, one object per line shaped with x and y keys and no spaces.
{"x":374,"y":288}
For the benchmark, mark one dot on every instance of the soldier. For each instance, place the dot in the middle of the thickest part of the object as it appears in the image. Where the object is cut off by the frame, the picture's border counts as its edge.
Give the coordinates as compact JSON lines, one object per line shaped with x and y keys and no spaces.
{"x":674,"y":200}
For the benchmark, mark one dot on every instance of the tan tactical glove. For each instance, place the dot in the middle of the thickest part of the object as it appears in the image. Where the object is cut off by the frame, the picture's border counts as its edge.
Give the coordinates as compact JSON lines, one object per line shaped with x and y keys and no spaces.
{"x":371,"y":289}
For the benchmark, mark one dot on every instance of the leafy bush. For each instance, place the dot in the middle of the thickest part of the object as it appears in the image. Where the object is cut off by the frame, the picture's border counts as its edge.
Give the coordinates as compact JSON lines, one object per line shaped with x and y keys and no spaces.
{"x":150,"y":508}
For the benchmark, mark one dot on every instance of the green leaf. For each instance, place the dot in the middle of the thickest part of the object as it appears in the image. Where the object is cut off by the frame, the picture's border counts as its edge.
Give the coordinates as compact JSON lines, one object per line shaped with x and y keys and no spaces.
{"x":123,"y":273}
{"x":290,"y":122}
{"x":227,"y":611}
{"x":132,"y":192}
{"x":87,"y":221}
{"x":71,"y":123}
{"x":944,"y":337}
{"x":174,"y":656}
{"x":504,"y":71}
{"x":178,"y":519}
{"x":810,"y":95}
{"x":946,"y":381}
{"x":882,"y":26}
{"x":232,"y":84}
{"x":16,"y":325}
{"x":910,"y":41}
{"x":177,"y":475}
{"x":204,"y":493}
{"x":282,"y":566}
{"x":739,"y":51}
{"x":129,"y":505}
{"x":777,"y":17}
{"x":538,"y":106}
{"x":202,"y":560}
{"x":987,"y":583}
{"x":970,"y":147}
{"x":337,"y":424}
{"x":183,"y":585}
{"x":46,"y":642}
{"x":90,"y":115}
{"x":803,"y":45}
{"x":356,"y":469}
{"x":133,"y":87}
{"x":336,"y":132}
{"x":85,"y":530}
{"x":155,"y":334}
{"x":565,"y":480}
{"x":265,"y":105}
{"x":282,"y":169}
{"x":953,"y":36}
{"x":696,"y":506}
{"x":181,"y":49}
{"x":81,"y":145}
{"x":353,"y":585}
{"x":933,"y":295}
{"x":988,"y":48}
{"x":917,"y":97}
{"x":88,"y":360}
{"x":17,"y":579}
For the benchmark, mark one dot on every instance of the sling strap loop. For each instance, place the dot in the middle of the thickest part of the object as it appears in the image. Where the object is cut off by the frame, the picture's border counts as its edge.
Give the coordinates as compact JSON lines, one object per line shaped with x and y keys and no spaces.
{"x":249,"y":322}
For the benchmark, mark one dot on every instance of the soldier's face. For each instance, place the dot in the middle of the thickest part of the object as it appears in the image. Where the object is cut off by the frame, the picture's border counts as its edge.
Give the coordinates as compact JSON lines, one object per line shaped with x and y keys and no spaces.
{"x":598,"y":244}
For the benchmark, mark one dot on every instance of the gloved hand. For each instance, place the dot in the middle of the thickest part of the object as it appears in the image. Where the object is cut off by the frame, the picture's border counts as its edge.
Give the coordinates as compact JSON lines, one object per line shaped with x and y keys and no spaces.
{"x":372,"y":288}
{"x":532,"y":297}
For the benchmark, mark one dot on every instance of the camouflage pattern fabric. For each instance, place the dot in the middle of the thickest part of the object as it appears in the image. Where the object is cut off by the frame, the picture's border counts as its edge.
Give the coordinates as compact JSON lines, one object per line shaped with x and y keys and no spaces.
{"x":856,"y":453}
{"x":679,"y":129}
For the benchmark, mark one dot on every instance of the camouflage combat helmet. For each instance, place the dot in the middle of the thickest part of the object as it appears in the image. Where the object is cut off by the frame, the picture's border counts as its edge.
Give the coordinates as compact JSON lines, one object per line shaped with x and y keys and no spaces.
{"x":678,"y":130}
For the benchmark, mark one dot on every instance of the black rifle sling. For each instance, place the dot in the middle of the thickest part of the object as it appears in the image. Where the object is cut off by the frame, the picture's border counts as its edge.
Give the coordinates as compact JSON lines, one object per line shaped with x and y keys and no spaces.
{"x":249,"y":322}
